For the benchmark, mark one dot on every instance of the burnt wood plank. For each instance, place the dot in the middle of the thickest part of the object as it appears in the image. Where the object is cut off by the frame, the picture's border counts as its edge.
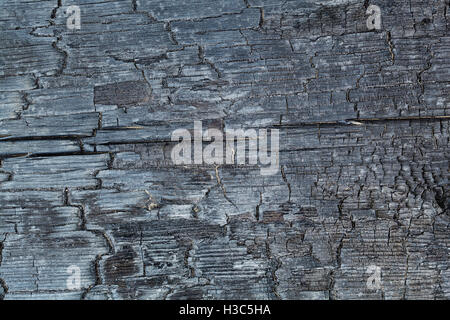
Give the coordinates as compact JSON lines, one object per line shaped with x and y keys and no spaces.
{"x":87,"y":180}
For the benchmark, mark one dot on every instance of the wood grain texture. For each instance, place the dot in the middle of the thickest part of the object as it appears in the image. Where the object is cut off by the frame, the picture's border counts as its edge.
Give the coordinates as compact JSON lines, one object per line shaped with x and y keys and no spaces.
{"x":86,"y":176}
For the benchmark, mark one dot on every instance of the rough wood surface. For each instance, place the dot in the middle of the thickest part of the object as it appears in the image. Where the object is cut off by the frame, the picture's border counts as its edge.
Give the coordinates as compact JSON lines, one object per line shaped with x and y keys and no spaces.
{"x":86,"y":177}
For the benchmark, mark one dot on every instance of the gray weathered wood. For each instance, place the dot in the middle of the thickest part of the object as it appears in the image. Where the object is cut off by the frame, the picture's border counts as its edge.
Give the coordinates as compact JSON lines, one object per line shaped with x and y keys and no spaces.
{"x":86,"y":177}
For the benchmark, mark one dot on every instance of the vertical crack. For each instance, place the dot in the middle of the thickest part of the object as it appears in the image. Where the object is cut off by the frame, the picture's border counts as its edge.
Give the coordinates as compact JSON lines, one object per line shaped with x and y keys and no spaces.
{"x":257,"y":212}
{"x":273,"y":269}
{"x":168,"y":27}
{"x":3,"y":284}
{"x":64,"y":54}
{"x":421,"y":72}
{"x":186,"y":259}
{"x":98,"y":258}
{"x":391,"y":46}
{"x":53,"y":14}
{"x":201,"y":56}
{"x":332,"y":291}
{"x":283,"y":175}
{"x":219,"y":182}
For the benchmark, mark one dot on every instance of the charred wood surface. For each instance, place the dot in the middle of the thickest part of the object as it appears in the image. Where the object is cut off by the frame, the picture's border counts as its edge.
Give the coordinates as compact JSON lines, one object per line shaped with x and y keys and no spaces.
{"x":86,"y":177}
